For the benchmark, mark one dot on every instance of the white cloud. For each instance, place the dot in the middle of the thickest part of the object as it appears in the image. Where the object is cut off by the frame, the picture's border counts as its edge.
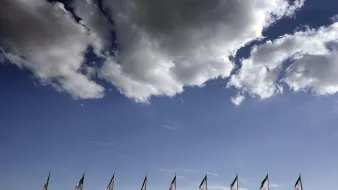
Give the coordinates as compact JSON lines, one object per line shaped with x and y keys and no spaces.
{"x":163,"y":45}
{"x":335,"y":18}
{"x":274,"y":185}
{"x":100,"y":27}
{"x":313,"y":57}
{"x":182,"y":100}
{"x":218,"y":187}
{"x":238,"y":99}
{"x":45,"y":39}
{"x":169,"y":127}
{"x":167,"y":45}
{"x":214,"y":174}
{"x":179,"y":177}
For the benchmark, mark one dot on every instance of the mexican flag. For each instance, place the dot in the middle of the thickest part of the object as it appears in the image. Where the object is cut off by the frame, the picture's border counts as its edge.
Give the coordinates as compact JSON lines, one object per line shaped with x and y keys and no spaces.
{"x":111,"y":183}
{"x":45,"y":187}
{"x":203,"y":185}
{"x":80,"y":185}
{"x":298,"y":185}
{"x":144,"y":185}
{"x":234,"y":184}
{"x":265,"y":183}
{"x":173,"y":184}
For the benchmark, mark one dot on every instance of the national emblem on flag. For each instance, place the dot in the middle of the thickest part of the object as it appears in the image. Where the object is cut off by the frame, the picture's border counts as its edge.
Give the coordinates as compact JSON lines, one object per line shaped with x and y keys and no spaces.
{"x":265,"y":183}
{"x":80,"y":185}
{"x":298,"y":184}
{"x":173,"y":184}
{"x":45,"y":187}
{"x":144,"y":185}
{"x":111,"y":183}
{"x":203,"y":185}
{"x":234,"y":184}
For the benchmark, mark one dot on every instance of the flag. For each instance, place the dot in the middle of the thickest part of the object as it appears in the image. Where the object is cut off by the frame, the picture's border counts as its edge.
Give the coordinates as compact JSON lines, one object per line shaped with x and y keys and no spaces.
{"x":203,"y":185}
{"x":45,"y":187}
{"x":298,"y":185}
{"x":144,"y":185}
{"x":265,"y":183}
{"x":234,"y":184}
{"x":111,"y":183}
{"x":173,"y":184}
{"x":80,"y":185}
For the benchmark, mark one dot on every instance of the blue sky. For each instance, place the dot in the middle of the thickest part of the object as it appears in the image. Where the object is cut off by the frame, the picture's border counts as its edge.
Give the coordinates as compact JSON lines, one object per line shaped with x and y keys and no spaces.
{"x":199,"y":130}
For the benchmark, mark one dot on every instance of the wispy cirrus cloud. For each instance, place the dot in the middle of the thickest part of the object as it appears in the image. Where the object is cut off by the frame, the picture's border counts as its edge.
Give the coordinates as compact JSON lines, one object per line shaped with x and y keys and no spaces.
{"x":214,"y":174}
{"x":179,"y":177}
{"x":171,"y":128}
{"x":275,"y":185}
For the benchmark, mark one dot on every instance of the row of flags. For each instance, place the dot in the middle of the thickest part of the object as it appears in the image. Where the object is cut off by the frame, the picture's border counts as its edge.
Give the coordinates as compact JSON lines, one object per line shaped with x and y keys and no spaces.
{"x":203,"y":185}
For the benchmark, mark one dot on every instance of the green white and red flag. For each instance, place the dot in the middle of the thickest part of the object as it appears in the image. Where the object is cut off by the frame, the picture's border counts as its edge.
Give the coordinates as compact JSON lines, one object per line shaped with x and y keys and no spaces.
{"x":79,"y":186}
{"x":298,"y":184}
{"x":234,"y":184}
{"x":265,"y":183}
{"x":111,"y":183}
{"x":173,"y":184}
{"x":203,"y":185}
{"x":144,"y":185}
{"x":45,"y":187}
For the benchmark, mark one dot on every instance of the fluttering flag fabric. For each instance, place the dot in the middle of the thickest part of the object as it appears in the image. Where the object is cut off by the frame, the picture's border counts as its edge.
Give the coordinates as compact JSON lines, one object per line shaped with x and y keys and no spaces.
{"x":265,"y":183}
{"x":144,"y":185}
{"x":111,"y":183}
{"x":234,"y":184}
{"x":173,"y":184}
{"x":203,"y":185}
{"x":298,"y":184}
{"x":80,"y":185}
{"x":45,"y":187}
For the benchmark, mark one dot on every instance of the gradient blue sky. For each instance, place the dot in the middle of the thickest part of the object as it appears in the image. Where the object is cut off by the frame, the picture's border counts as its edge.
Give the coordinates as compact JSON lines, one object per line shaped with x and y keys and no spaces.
{"x":192,"y":133}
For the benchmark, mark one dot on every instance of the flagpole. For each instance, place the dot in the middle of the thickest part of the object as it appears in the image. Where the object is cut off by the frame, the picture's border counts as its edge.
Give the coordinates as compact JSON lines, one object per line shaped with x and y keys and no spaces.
{"x":267,"y":175}
{"x":145,"y":182}
{"x":206,"y":181}
{"x":175,"y":181}
{"x":237,"y":181}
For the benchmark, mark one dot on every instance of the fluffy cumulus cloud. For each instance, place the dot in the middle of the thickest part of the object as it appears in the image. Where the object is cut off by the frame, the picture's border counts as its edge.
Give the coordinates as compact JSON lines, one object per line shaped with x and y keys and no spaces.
{"x":166,"y":45}
{"x":45,"y":39}
{"x":238,"y":99}
{"x":304,"y":61}
{"x":98,"y":25}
